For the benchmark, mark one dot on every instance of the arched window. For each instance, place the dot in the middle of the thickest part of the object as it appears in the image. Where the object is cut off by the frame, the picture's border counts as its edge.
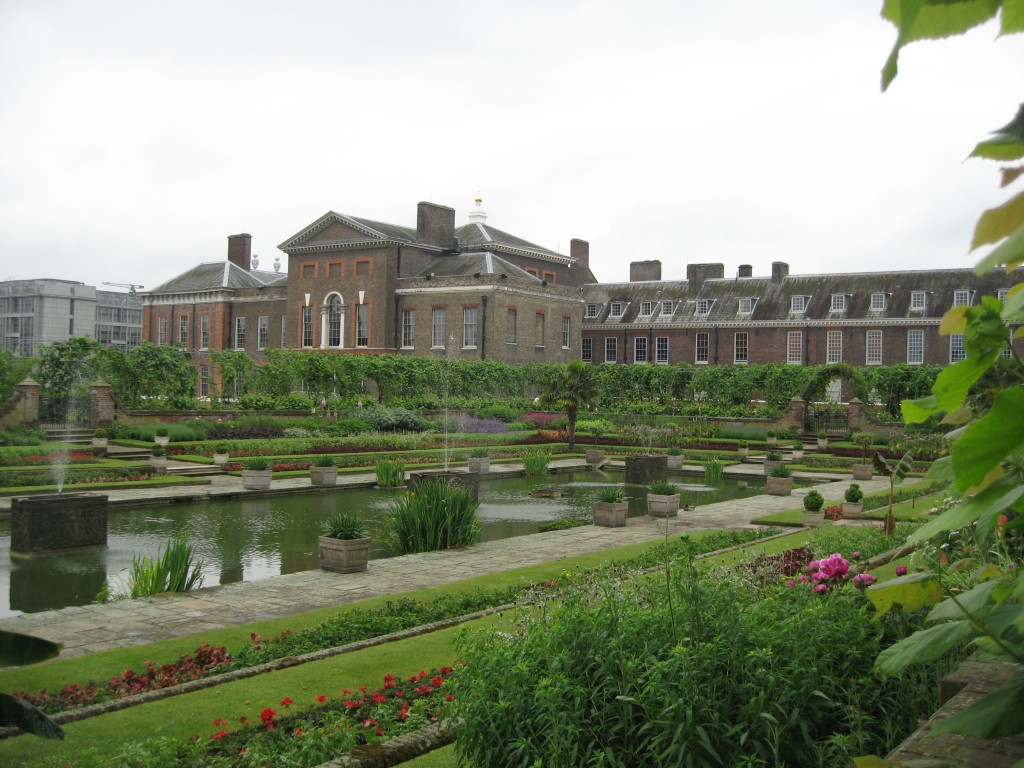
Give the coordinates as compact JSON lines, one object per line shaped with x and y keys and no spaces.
{"x":334,"y":322}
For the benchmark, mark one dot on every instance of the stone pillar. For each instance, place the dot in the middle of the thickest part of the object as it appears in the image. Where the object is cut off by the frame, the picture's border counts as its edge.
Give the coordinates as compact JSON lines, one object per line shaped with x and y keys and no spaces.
{"x":58,"y":523}
{"x":642,"y":470}
{"x":797,"y":414}
{"x":856,"y":418}
{"x":101,"y":404}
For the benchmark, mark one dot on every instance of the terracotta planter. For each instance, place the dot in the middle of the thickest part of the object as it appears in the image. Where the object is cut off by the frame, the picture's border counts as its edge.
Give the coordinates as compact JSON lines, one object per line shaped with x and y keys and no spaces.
{"x":813,"y":519}
{"x":863,"y":471}
{"x":594,"y":456}
{"x":853,"y":510}
{"x":162,"y":440}
{"x":344,"y":555}
{"x":779,"y":486}
{"x":675,"y":462}
{"x":769,"y":465}
{"x":257,"y":479}
{"x":480,"y":465}
{"x":323,"y":476}
{"x":610,"y":514}
{"x":662,"y":506}
{"x":220,"y":459}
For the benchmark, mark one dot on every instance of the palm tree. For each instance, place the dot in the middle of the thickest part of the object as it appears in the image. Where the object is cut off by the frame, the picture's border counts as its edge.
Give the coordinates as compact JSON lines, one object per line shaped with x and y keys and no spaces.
{"x":571,"y":387}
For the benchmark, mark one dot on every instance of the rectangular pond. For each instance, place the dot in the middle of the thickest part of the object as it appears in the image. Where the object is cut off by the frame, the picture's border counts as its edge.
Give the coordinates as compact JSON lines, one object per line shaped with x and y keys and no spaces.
{"x":256,"y":538}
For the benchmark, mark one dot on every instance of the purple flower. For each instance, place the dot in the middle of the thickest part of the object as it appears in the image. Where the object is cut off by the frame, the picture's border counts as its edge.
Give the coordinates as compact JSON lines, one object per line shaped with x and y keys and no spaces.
{"x":901,"y":570}
{"x":855,"y":556}
{"x":820,"y":588}
{"x":790,"y":583}
{"x":863,"y":580}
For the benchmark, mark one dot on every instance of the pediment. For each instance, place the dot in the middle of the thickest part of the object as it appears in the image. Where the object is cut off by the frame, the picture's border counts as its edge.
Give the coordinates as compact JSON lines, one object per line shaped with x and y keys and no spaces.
{"x":341,"y":230}
{"x":332,"y":229}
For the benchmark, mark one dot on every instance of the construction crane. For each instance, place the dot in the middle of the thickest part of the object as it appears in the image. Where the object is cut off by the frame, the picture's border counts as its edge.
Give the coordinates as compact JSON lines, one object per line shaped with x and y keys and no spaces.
{"x":132,"y":287}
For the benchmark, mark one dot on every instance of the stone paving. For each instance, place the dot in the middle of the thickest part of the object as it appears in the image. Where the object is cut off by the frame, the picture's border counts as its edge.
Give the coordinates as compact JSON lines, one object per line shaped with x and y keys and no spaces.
{"x":93,"y":628}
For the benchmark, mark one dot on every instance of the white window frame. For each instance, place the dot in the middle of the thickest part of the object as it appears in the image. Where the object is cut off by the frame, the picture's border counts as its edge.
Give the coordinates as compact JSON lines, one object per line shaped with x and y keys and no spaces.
{"x":362,"y":325}
{"x":915,"y":346}
{"x":262,"y":331}
{"x":183,"y":330}
{"x":591,"y":311}
{"x":408,"y":328}
{"x":1002,"y":293}
{"x":161,"y":334}
{"x":878,"y":301}
{"x":668,"y":308}
{"x":617,"y":309}
{"x":833,"y":347}
{"x":307,"y":327}
{"x":239,"y":333}
{"x":873,"y":350}
{"x":702,"y":348}
{"x":566,"y":332}
{"x":438,"y":323}
{"x":611,"y":349}
{"x":741,"y":348}
{"x":204,"y":331}
{"x":918,"y":301}
{"x":646,"y":308}
{"x":470,"y":319}
{"x":798,"y":304}
{"x":838,"y":302}
{"x":956,"y":348}
{"x":795,"y":347}
{"x":746,"y":306}
{"x":661,"y":349}
{"x":587,"y":350}
{"x":639,"y":349}
{"x":961,"y":297}
{"x":704,"y":307}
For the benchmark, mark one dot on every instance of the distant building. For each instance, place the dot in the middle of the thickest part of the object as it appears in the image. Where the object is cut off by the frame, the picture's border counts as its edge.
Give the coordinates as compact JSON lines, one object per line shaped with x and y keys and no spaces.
{"x":44,"y":311}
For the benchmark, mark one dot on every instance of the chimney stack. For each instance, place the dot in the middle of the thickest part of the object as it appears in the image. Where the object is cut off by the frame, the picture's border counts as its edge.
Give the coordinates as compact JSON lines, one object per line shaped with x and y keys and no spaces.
{"x":780,"y":270}
{"x":745,"y":271}
{"x":240,"y":250}
{"x":696,"y":274}
{"x":642,"y":271}
{"x":435,"y":225}
{"x":580,"y":251}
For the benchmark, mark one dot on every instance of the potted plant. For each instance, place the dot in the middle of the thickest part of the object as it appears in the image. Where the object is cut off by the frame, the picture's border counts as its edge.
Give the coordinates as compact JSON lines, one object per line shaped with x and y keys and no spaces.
{"x":344,"y":544}
{"x":161,"y":436}
{"x":773,"y":437}
{"x":479,"y":460}
{"x":257,"y":473}
{"x":798,"y":450}
{"x":100,"y":437}
{"x":772,"y":459}
{"x":662,"y":499}
{"x":323,"y":471}
{"x":675,"y":458}
{"x":813,"y":516}
{"x":780,"y":481}
{"x":853,"y":504}
{"x":158,"y":460}
{"x":864,"y":470}
{"x":611,"y":508}
{"x":822,"y":441}
{"x":743,"y":449}
{"x":220,"y":454}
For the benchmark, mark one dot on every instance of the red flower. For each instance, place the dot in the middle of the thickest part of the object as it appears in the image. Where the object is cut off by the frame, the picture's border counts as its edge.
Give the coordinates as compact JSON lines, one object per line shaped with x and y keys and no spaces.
{"x":286,"y":702}
{"x":449,"y":697}
{"x":267,"y":716}
{"x":380,"y":731}
{"x":321,"y":698}
{"x":436,"y":681}
{"x":219,"y":735}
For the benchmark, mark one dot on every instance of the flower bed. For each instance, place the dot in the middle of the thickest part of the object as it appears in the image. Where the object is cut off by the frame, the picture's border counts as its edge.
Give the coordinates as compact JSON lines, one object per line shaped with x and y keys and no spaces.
{"x":10,"y":458}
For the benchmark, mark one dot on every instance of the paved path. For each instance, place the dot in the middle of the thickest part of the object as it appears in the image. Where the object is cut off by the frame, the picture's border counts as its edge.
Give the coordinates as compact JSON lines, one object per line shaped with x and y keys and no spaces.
{"x":93,"y":628}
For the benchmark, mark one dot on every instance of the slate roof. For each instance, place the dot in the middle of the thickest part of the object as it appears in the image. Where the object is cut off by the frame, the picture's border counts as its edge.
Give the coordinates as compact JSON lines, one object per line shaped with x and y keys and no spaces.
{"x":374,"y":230}
{"x":217,"y":276}
{"x":478,"y":235}
{"x":481,"y":262}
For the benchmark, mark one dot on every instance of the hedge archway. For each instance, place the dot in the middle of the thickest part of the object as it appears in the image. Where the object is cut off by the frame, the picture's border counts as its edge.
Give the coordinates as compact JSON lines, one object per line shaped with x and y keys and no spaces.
{"x":818,"y":385}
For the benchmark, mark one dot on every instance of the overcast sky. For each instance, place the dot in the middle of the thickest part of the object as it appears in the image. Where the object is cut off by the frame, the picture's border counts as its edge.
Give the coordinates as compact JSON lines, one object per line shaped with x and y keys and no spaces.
{"x":136,"y":136}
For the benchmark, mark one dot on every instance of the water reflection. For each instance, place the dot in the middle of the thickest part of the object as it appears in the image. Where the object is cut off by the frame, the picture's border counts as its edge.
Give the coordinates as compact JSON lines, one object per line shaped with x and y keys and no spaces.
{"x":255,"y":538}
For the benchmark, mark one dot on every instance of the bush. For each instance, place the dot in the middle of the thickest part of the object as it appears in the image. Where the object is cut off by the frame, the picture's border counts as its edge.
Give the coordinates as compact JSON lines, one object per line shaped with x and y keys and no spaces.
{"x":22,"y":435}
{"x":437,"y":515}
{"x":294,"y":401}
{"x":813,"y":501}
{"x":499,"y":411}
{"x":853,"y":494}
{"x":535,"y":463}
{"x":256,"y":402}
{"x":396,"y":420}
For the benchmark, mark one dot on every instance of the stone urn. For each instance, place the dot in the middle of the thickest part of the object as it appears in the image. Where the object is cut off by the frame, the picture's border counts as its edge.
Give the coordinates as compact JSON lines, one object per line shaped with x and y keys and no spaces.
{"x":863,"y":471}
{"x":743,"y":451}
{"x":610,"y":514}
{"x":99,"y":442}
{"x":853,"y":510}
{"x":675,"y":462}
{"x":779,"y":486}
{"x":161,"y":439}
{"x":813,"y":519}
{"x":481,"y":465}
{"x":257,"y":479}
{"x":594,"y":456}
{"x":159,"y":464}
{"x":822,"y":443}
{"x":772,"y":440}
{"x":220,"y":459}
{"x":344,"y":555}
{"x":797,"y":454}
{"x":662,"y":506}
{"x":323,"y":476}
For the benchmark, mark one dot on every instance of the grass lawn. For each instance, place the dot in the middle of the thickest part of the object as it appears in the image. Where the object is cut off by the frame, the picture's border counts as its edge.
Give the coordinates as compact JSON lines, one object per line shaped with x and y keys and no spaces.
{"x":912,"y":510}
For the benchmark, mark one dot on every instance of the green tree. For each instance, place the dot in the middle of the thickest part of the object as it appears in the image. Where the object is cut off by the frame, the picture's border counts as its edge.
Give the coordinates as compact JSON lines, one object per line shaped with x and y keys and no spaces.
{"x":12,"y":370}
{"x":237,"y":371}
{"x":571,"y":387}
{"x":161,"y":372}
{"x":64,"y":370}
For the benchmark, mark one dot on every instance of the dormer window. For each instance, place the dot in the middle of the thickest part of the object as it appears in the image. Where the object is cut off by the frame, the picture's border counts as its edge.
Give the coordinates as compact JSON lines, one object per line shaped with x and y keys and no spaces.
{"x":961,"y":297}
{"x":591,"y":311}
{"x":667,"y":308}
{"x":838,"y":303}
{"x":704,"y":306}
{"x":1002,"y":293}
{"x":877,"y":302}
{"x":746,"y":306}
{"x":918,"y":300}
{"x":646,"y":308}
{"x":617,"y":309}
{"x":798,"y":303}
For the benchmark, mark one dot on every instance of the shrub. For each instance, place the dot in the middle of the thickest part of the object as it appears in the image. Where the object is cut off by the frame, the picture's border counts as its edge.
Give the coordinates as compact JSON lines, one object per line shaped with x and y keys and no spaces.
{"x":773,"y":456}
{"x":159,"y":451}
{"x":221,"y":448}
{"x":535,"y":463}
{"x":294,"y":401}
{"x":798,"y":446}
{"x":499,"y":411}
{"x":662,"y":488}
{"x":390,"y":473}
{"x":21,"y":434}
{"x":161,"y":432}
{"x":257,"y":463}
{"x":437,"y":515}
{"x":813,"y":501}
{"x":396,"y":420}
{"x":611,"y":494}
{"x":780,"y":470}
{"x":480,"y":453}
{"x":344,"y":525}
{"x":324,"y":460}
{"x":853,"y":494}
{"x":101,"y":434}
{"x":257,"y":402}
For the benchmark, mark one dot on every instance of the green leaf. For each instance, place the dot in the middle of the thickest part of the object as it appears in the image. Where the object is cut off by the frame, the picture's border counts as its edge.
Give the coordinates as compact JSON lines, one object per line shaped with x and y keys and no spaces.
{"x":941,"y":470}
{"x":913,"y":591}
{"x":997,"y":715}
{"x":972,"y":602}
{"x":1013,"y":304}
{"x":991,"y":501}
{"x":950,"y":389}
{"x":1009,"y":253}
{"x":923,"y":646}
{"x":871,"y":761}
{"x":1013,"y":17}
{"x":988,"y":442}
